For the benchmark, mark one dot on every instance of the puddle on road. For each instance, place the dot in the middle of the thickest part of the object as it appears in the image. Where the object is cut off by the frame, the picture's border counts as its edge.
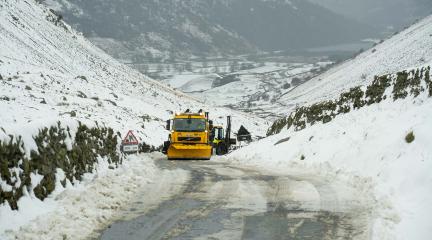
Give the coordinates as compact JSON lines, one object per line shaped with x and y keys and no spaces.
{"x":299,"y":224}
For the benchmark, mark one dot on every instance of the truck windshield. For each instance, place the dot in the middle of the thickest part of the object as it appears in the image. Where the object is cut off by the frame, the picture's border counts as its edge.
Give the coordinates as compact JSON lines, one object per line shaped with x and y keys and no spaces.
{"x":189,"y":125}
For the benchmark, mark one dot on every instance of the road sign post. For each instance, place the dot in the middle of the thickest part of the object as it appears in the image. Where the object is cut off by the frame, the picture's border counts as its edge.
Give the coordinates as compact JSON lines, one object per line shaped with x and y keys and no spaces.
{"x":130,"y":143}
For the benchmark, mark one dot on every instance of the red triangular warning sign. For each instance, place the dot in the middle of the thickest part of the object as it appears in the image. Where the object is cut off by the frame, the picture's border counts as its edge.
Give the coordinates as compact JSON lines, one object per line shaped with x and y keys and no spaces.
{"x":130,"y":138}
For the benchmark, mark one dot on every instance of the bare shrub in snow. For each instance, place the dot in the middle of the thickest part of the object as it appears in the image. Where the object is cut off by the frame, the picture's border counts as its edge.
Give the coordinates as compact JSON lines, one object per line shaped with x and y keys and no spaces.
{"x":410,"y":137}
{"x":403,"y":84}
{"x":53,"y":153}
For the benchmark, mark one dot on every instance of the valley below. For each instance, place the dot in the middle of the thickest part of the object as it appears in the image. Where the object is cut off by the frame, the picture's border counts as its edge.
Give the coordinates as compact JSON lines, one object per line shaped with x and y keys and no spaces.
{"x":251,"y":86}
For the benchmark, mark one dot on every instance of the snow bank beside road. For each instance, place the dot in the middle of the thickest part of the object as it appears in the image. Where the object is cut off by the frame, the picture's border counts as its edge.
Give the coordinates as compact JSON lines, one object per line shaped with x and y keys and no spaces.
{"x":366,"y":145}
{"x":77,"y":212}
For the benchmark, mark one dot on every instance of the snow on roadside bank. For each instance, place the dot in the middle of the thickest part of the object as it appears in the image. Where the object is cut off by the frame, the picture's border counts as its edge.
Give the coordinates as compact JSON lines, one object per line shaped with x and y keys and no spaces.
{"x":77,"y":212}
{"x":365,"y":147}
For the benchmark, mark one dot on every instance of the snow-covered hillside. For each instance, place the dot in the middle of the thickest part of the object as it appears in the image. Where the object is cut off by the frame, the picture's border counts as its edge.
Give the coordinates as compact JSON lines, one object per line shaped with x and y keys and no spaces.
{"x":410,"y":48}
{"x":49,"y":73}
{"x":190,"y":83}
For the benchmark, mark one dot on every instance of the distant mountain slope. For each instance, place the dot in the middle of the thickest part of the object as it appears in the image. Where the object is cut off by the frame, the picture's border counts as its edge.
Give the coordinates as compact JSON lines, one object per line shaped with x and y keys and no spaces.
{"x":153,"y":28}
{"x":168,"y":28}
{"x":382,"y":13}
{"x":410,"y":48}
{"x":294,"y":24}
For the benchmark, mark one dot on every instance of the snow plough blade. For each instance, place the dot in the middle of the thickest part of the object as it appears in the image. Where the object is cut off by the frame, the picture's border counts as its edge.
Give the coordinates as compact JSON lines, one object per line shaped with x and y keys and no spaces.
{"x":192,"y":152}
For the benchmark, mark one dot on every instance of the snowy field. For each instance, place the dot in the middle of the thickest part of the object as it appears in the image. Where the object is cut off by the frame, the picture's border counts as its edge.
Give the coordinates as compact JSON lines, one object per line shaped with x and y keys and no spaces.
{"x":255,"y":90}
{"x":189,"y":83}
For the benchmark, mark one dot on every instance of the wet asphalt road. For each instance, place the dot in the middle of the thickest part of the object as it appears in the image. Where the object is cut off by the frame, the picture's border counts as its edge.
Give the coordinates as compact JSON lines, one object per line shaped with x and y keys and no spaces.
{"x":225,"y":202}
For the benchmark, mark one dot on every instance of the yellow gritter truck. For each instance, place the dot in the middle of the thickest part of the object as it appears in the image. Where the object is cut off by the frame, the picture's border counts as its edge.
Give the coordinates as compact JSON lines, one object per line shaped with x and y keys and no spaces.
{"x":189,"y":137}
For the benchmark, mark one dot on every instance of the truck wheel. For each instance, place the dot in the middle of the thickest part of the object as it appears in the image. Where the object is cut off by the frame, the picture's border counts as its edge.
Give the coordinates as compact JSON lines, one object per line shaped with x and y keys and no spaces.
{"x":165,"y":147}
{"x":221,"y":149}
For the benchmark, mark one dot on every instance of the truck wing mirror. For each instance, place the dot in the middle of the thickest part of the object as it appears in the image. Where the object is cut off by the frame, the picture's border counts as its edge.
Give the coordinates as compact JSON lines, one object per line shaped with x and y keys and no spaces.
{"x":168,"y":125}
{"x":211,"y":124}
